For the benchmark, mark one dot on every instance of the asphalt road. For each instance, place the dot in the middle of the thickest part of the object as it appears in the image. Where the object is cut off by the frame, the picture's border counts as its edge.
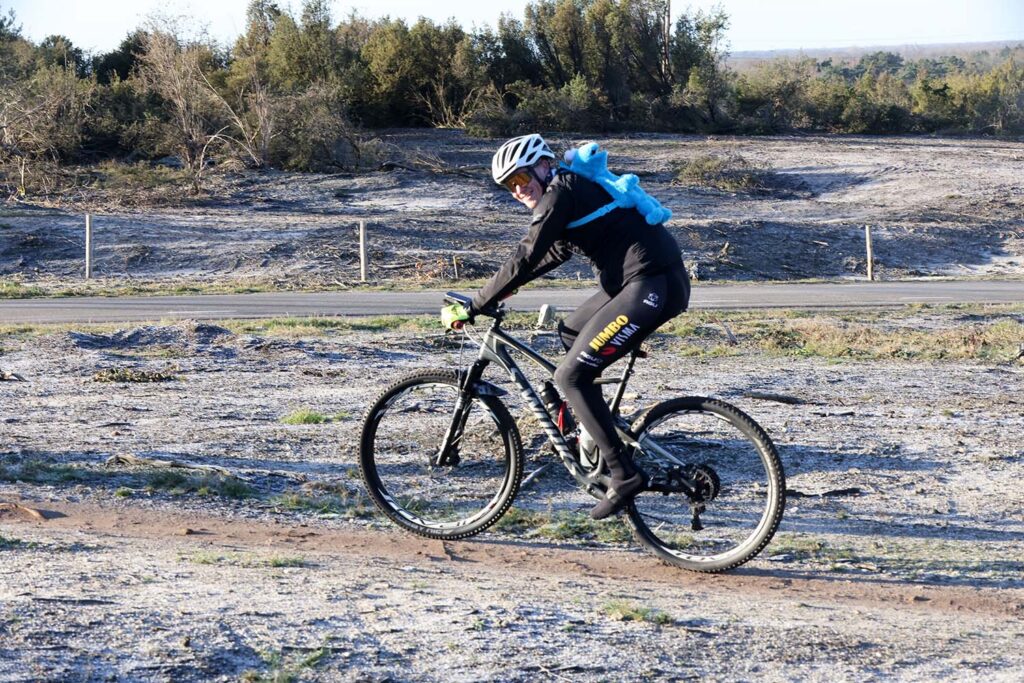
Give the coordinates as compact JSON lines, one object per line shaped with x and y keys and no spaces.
{"x":267,"y":305}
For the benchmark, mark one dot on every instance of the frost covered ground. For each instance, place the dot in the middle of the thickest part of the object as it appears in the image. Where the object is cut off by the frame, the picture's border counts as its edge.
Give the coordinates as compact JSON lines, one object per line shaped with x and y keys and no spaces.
{"x":899,"y":558}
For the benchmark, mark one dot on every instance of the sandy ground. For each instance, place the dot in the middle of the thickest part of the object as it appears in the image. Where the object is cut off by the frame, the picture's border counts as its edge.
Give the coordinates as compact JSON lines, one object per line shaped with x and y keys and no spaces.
{"x":899,"y":557}
{"x":936,"y":207}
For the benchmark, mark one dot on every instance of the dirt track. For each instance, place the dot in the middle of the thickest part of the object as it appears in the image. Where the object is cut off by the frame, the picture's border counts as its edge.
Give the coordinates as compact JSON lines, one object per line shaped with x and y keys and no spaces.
{"x":397,"y":608}
{"x":558,"y":562}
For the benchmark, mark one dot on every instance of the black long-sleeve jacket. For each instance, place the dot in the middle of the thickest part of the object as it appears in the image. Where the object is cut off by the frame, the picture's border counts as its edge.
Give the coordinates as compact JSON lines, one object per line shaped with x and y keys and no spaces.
{"x":620,"y":245}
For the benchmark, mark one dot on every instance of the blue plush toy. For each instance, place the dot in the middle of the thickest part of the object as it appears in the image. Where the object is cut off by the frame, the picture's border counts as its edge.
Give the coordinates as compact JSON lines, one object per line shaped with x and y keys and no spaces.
{"x":591,"y":162}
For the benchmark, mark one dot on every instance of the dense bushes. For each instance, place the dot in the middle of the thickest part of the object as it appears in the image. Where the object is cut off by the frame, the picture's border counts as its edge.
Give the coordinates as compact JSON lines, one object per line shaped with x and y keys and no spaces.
{"x":294,"y":91}
{"x":883,"y":94}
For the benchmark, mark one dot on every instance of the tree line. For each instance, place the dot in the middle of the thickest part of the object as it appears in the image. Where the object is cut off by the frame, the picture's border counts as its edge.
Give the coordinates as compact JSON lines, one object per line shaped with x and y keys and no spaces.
{"x":296,"y":90}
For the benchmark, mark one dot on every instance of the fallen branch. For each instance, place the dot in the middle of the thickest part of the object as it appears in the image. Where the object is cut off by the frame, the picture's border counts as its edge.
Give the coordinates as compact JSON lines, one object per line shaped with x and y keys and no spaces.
{"x":74,"y":601}
{"x":397,"y":266}
{"x":728,"y":333}
{"x":853,"y":491}
{"x":533,"y":476}
{"x":778,"y":398}
{"x":134,"y":460}
{"x":431,"y":167}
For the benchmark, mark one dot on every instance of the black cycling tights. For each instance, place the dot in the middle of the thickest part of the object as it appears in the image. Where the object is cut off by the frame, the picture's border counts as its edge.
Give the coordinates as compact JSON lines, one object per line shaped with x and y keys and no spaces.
{"x":604,"y":329}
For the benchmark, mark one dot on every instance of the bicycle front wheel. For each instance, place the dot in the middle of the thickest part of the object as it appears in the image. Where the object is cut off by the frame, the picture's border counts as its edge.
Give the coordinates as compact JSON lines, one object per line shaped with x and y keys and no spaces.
{"x":402,"y":435}
{"x":736,"y":487}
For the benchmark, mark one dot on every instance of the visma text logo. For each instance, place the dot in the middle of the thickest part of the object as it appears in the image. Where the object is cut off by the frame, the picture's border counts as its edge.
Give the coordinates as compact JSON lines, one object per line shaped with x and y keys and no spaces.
{"x":618,"y":340}
{"x":608,"y":332}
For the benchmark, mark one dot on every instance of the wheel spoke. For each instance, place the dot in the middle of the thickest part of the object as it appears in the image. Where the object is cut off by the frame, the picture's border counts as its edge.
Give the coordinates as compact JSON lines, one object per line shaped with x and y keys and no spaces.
{"x":737,"y":478}
{"x":404,"y":434}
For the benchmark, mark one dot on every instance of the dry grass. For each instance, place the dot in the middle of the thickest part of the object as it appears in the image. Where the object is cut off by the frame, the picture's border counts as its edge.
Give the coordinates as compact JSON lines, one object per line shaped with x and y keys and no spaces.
{"x":113,"y":175}
{"x":732,"y":173}
{"x":171,"y":481}
{"x":326,"y":500}
{"x":247,"y":560}
{"x":179,"y":484}
{"x":10,"y":543}
{"x":996,"y":341}
{"x":18,"y":290}
{"x":990,"y":333}
{"x":993,"y":333}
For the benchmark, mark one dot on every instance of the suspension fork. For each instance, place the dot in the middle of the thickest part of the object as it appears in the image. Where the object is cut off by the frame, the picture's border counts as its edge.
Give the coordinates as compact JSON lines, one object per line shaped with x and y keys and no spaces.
{"x":448,"y":454}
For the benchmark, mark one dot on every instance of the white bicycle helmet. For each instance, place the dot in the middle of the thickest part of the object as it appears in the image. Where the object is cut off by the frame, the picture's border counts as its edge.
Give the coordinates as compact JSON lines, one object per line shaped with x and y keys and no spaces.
{"x":521,"y":152}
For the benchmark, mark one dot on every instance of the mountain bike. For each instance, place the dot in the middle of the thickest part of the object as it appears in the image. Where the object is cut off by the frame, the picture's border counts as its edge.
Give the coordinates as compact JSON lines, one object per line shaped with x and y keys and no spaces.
{"x":442,"y":457}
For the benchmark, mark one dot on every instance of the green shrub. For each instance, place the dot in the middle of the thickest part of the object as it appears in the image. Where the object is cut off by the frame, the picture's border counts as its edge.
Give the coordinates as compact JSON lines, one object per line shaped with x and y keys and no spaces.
{"x":125,"y":375}
{"x":621,"y":610}
{"x":304,"y":416}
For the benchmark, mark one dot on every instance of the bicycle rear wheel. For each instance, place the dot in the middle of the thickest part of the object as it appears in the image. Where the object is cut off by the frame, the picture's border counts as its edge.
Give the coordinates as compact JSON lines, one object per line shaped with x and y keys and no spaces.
{"x":738,"y":476}
{"x":403,"y":432}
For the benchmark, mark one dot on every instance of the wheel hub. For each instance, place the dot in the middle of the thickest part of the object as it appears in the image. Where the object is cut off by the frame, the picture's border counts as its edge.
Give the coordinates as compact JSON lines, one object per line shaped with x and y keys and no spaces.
{"x":698,"y":482}
{"x":707,"y":485}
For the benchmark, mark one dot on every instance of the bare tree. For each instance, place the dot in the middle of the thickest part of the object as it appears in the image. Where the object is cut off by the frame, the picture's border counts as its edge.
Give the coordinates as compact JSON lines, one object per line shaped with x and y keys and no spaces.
{"x":172,"y":68}
{"x":255,"y":121}
{"x":444,"y":109}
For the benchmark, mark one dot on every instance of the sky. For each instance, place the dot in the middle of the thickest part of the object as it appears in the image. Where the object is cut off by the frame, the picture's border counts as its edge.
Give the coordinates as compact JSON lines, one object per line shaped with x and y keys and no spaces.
{"x":100,"y":25}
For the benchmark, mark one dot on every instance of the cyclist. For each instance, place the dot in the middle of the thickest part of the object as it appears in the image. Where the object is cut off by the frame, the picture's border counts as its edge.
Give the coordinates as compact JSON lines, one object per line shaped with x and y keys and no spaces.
{"x":641,"y":274}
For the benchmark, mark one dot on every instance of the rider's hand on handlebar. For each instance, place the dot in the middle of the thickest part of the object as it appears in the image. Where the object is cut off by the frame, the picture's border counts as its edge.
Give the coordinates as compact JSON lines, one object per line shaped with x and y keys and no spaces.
{"x":455,"y":316}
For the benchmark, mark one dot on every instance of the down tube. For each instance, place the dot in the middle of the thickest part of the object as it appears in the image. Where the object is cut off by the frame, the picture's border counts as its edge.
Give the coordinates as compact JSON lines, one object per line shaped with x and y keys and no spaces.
{"x":499,"y":353}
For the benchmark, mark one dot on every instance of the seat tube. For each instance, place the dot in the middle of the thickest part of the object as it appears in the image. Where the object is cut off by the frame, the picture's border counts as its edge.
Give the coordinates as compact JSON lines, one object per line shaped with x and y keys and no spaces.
{"x":620,"y":391}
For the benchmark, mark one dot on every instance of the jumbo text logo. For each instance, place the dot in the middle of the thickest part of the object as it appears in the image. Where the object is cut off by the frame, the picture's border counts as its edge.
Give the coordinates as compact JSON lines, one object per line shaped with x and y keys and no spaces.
{"x":614,"y":334}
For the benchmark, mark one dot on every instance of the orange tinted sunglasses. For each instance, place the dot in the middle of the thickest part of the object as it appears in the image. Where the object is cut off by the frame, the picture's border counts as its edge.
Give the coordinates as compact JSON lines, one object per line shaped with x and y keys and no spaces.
{"x":521,"y":178}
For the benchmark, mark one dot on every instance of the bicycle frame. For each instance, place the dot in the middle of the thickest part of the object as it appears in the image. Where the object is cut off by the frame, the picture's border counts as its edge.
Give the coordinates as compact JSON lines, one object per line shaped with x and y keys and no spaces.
{"x":494,"y":348}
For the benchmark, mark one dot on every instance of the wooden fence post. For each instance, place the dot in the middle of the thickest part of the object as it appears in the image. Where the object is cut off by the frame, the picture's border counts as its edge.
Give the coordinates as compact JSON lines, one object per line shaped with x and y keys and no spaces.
{"x":362,"y":251}
{"x":871,"y":256}
{"x":88,"y":246}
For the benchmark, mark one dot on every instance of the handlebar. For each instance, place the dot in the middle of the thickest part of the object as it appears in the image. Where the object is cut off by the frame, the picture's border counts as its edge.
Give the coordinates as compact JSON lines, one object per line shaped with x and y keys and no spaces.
{"x":497,"y":311}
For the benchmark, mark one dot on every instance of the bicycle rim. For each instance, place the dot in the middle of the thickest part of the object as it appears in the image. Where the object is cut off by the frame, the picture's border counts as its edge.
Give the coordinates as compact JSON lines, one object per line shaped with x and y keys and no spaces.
{"x":404,"y":430}
{"x":736,"y":461}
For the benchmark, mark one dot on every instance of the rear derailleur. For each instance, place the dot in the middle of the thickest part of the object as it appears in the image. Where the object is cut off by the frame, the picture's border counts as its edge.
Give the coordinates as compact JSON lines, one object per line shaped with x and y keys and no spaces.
{"x":700,"y":483}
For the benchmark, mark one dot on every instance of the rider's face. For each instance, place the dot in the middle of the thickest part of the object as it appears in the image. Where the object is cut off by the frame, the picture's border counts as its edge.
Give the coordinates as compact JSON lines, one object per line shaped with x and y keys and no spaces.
{"x":531,"y":193}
